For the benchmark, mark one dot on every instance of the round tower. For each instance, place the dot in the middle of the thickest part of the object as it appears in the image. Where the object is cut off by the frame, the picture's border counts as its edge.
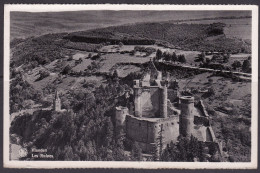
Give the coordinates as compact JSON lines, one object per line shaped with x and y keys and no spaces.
{"x":186,"y":122}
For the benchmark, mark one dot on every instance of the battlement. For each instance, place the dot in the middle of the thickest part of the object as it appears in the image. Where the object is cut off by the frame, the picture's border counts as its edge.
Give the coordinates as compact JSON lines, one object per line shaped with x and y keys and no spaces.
{"x":153,"y":120}
{"x":187,"y":99}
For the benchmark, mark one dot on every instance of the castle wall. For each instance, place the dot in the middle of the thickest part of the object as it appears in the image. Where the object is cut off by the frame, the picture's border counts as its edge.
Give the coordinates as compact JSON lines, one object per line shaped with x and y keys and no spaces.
{"x":146,"y":132}
{"x":171,"y":130}
{"x":147,"y":102}
{"x":203,"y":108}
{"x":139,"y":130}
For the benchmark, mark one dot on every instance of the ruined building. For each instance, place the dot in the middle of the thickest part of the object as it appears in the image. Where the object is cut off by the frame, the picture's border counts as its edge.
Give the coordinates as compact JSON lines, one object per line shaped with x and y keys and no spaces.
{"x":56,"y":102}
{"x":155,"y":116}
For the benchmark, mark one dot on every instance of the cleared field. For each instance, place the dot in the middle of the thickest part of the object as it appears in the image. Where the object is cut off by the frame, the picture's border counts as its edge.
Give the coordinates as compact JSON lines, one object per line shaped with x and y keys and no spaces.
{"x":111,"y":59}
{"x":72,"y":83}
{"x":124,"y":70}
{"x":83,"y":65}
{"x":190,"y":55}
{"x":115,"y":48}
{"x":236,"y":57}
{"x":79,"y":55}
{"x":232,"y":90}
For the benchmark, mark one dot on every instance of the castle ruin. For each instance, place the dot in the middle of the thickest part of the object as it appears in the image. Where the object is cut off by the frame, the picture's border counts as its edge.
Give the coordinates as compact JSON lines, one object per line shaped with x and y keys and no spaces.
{"x":154,"y":115}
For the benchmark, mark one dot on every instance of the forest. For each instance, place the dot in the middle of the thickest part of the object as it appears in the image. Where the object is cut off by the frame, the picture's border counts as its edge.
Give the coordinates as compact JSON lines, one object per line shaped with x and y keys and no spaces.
{"x":85,"y":131}
{"x":201,"y":37}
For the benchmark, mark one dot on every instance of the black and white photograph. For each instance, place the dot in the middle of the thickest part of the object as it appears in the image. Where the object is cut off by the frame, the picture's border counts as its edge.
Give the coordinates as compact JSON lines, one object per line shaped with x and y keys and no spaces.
{"x":131,"y":86}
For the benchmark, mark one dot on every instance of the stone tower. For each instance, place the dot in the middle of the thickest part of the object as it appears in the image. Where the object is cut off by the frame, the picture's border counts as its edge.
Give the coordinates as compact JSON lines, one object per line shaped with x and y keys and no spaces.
{"x":163,"y":102}
{"x":186,"y":124}
{"x":56,"y":102}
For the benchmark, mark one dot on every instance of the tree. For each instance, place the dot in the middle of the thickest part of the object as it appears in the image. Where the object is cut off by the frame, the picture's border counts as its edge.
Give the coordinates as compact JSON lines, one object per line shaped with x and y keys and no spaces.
{"x":249,"y":58}
{"x":108,"y":133}
{"x":210,"y":80}
{"x":115,"y":74}
{"x":120,"y":44}
{"x":167,"y":56}
{"x":66,"y":69}
{"x":200,"y":58}
{"x":211,"y":91}
{"x":158,"y":54}
{"x":43,"y":74}
{"x":160,"y":141}
{"x":181,"y":58}
{"x":174,"y":57}
{"x":202,"y":152}
{"x":136,"y":153}
{"x":246,"y":66}
{"x":132,"y":52}
{"x":226,"y":58}
{"x":212,"y":148}
{"x":207,"y":60}
{"x":89,"y":56}
{"x":80,"y":60}
{"x":98,"y":55}
{"x":236,"y":64}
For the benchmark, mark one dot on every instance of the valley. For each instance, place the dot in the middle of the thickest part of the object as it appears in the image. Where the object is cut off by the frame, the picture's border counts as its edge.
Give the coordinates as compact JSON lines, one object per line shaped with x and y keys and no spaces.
{"x":94,"y":69}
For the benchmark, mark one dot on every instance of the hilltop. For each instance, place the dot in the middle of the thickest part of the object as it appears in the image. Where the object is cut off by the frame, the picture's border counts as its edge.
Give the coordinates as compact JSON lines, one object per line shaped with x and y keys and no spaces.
{"x":26,"y":24}
{"x":83,"y":64}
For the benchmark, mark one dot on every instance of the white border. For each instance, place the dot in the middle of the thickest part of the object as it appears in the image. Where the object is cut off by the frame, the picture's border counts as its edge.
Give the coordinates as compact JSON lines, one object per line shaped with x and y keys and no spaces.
{"x":142,"y":165}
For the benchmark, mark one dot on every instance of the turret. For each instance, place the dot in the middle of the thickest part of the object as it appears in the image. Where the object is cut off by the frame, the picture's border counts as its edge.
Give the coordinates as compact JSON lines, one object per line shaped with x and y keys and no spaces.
{"x":56,"y":102}
{"x":186,"y":123}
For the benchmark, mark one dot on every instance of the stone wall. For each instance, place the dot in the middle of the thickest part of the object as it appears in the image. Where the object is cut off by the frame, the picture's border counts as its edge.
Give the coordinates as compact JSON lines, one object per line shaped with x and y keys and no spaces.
{"x":202,"y":108}
{"x":149,"y":101}
{"x":146,"y":132}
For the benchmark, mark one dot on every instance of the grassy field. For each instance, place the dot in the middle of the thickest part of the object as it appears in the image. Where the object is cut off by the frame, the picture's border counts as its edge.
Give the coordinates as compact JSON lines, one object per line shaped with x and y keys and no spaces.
{"x":111,"y":59}
{"x":124,"y":70}
{"x":232,"y":128}
{"x":189,"y":55}
{"x":235,"y":90}
{"x":239,"y":28}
